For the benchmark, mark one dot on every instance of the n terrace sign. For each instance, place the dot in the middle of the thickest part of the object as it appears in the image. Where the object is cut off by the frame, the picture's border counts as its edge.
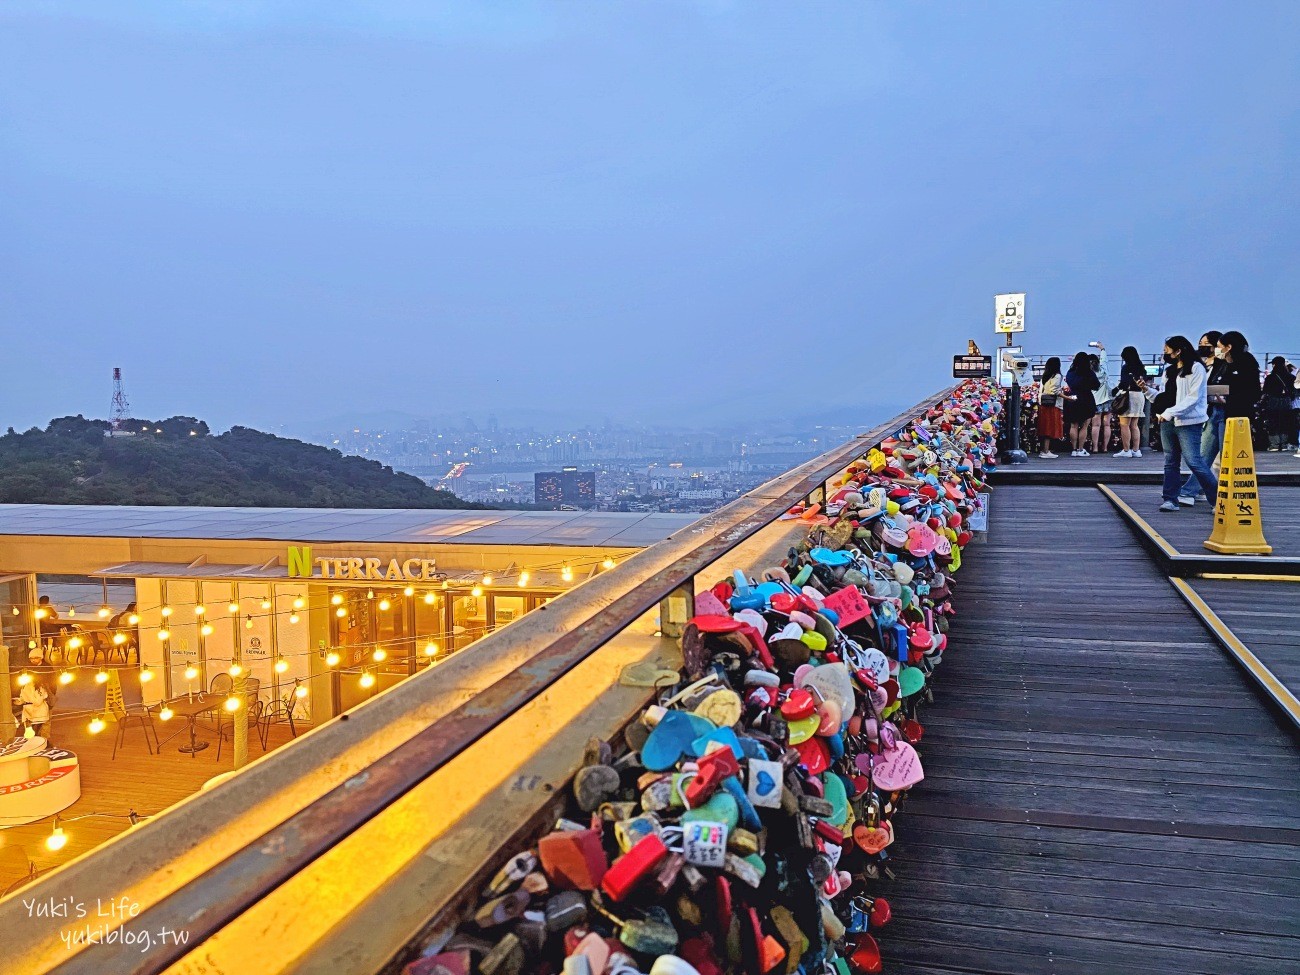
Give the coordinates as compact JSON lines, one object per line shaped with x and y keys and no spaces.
{"x":303,"y":566}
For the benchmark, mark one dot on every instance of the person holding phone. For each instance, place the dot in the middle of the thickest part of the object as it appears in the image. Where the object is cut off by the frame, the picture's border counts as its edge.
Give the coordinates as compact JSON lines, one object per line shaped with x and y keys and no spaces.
{"x":1216,"y":400}
{"x":1182,"y":421}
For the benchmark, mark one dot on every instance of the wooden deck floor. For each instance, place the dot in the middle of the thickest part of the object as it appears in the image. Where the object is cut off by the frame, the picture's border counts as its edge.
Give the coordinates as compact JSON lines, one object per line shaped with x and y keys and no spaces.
{"x":1104,"y":791}
{"x":134,"y":780}
{"x":1188,"y":529}
{"x":1263,"y":616}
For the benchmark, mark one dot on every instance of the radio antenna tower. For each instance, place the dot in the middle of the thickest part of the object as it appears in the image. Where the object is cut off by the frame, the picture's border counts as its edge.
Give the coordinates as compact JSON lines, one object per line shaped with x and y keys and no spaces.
{"x":118,"y":414}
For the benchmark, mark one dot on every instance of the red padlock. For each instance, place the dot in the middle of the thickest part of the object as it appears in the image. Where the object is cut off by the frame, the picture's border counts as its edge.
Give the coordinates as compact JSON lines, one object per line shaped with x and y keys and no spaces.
{"x":713,"y":768}
{"x":633,"y":866}
{"x":864,"y":959}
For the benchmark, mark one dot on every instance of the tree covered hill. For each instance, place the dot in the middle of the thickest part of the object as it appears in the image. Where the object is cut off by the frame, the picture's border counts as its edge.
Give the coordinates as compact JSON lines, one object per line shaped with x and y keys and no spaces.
{"x":179,"y":461}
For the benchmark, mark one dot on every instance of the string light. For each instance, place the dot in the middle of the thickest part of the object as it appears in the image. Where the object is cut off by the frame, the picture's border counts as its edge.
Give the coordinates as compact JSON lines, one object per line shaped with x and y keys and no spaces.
{"x":200,"y":609}
{"x":164,"y":634}
{"x":367,"y":679}
{"x":476,"y":591}
{"x":379,"y":654}
{"x":300,"y":692}
{"x":15,"y":610}
{"x":566,"y":574}
{"x":336,"y":599}
{"x":331,"y":659}
{"x":165,"y":714}
{"x":206,"y":629}
{"x":24,"y":679}
{"x":57,"y":839}
{"x":97,"y":725}
{"x":408,"y":591}
{"x":119,"y":639}
{"x":146,"y":675}
{"x":166,"y":611}
{"x":72,"y":611}
{"x":608,"y":563}
{"x":233,"y":607}
{"x":248,"y":623}
{"x":133,"y":619}
{"x":429,"y":598}
{"x":340,"y":612}
{"x":293,"y":617}
{"x":487,"y":579}
{"x":232,"y":704}
{"x":191,"y":673}
{"x":431,"y":649}
{"x":266,"y":604}
{"x":524,"y":577}
{"x":370,"y":594}
{"x":281,"y":665}
{"x":299,"y":603}
{"x":101,"y":677}
{"x":41,"y":613}
{"x":66,"y":677}
{"x":384,"y":604}
{"x":235,"y":670}
{"x":74,"y":642}
{"x":104,"y":612}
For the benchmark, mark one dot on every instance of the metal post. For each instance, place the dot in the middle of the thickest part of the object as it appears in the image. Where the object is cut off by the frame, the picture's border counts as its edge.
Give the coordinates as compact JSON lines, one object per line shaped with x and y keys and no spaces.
{"x":1013,"y":454}
{"x":8,"y":727}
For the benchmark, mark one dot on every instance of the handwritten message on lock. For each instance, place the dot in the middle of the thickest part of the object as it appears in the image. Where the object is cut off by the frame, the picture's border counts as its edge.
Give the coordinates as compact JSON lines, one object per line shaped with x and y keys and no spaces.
{"x":703,"y":843}
{"x":849,"y":604}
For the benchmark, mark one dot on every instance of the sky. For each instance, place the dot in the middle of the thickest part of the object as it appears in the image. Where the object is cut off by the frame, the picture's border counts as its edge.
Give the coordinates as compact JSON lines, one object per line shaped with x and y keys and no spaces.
{"x":267,"y":213}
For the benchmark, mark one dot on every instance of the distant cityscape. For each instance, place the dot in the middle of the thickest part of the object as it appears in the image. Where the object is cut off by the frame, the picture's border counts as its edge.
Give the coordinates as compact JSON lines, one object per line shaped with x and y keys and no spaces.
{"x":609,"y":468}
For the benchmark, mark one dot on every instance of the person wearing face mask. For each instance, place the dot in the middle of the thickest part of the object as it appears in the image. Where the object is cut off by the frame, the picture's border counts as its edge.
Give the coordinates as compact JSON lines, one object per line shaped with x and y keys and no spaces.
{"x":1239,"y":371}
{"x":1216,"y":401}
{"x":1183,"y":421}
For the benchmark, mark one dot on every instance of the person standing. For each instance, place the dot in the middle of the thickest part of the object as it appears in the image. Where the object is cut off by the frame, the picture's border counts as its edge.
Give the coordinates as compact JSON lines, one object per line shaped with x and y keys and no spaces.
{"x":1101,"y":421}
{"x":1131,"y":415}
{"x":1183,"y":422}
{"x":1050,"y":393}
{"x":1080,"y":402}
{"x":1216,"y":397}
{"x":1279,"y":390}
{"x":1239,"y":371}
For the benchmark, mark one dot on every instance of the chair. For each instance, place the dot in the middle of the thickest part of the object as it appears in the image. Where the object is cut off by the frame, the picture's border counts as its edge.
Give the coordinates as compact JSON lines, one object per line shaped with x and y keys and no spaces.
{"x":145,"y":719}
{"x":225,"y":731}
{"x":274,"y":713}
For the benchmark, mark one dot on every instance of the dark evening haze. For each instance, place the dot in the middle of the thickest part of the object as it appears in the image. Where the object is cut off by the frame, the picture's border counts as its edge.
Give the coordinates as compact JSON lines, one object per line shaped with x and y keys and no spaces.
{"x":692,"y":213}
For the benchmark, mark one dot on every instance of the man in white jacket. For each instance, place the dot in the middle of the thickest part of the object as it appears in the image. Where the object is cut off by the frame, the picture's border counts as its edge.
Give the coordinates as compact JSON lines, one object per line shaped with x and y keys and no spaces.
{"x":1183,"y":423}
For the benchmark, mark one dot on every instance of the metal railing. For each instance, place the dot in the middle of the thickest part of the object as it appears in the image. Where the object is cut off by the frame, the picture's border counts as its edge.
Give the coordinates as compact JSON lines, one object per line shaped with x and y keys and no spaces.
{"x":335,"y":851}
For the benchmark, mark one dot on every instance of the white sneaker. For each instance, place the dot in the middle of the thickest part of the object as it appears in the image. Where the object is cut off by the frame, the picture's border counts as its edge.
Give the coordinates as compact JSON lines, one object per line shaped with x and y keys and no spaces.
{"x":1124,"y":453}
{"x":1084,"y":453}
{"x":1048,"y":455}
{"x":1136,"y":453}
{"x":1186,"y":501}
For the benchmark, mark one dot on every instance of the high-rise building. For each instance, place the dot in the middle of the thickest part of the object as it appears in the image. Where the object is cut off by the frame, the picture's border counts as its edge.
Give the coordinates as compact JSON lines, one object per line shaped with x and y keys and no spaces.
{"x":568,"y":487}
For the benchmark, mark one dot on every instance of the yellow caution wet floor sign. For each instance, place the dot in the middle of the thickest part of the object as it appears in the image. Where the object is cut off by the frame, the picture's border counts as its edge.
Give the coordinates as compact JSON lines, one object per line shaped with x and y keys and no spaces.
{"x":114,"y":703}
{"x":1238,"y":526}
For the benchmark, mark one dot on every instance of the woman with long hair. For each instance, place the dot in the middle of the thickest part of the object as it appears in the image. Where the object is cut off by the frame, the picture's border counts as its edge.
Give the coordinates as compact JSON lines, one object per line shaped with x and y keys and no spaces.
{"x":1183,"y":421}
{"x":1239,"y":372}
{"x":1279,"y":390}
{"x":1131,"y":415}
{"x":1050,"y":425}
{"x":1080,"y":402}
{"x":1101,"y":421}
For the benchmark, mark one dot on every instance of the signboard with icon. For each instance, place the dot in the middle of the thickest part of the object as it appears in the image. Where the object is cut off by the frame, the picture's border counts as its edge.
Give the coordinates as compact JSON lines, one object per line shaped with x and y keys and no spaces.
{"x":972,"y":366}
{"x":1009,"y":313}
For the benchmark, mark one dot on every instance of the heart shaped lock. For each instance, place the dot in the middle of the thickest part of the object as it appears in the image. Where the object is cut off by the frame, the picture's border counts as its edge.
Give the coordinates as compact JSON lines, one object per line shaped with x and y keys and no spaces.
{"x":897,"y":767}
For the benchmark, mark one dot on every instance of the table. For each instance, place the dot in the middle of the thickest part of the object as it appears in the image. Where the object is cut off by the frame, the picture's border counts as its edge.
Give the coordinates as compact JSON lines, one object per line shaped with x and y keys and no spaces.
{"x":190,"y":709}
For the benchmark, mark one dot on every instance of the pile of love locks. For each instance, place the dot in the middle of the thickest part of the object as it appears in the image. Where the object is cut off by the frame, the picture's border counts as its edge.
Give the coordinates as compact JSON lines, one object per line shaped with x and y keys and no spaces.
{"x":744,"y":824}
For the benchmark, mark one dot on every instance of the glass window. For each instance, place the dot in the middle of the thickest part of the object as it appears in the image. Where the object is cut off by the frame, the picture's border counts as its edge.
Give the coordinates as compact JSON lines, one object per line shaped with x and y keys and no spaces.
{"x":507,"y":609}
{"x":468,"y":619}
{"x":431,"y":626}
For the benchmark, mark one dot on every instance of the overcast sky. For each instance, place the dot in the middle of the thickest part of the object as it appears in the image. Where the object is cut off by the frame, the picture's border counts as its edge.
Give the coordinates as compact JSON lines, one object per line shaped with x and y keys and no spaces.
{"x":266,"y":212}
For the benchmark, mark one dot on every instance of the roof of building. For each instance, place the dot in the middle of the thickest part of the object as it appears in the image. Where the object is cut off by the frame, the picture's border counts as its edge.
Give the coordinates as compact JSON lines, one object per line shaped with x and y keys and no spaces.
{"x":394,"y":526}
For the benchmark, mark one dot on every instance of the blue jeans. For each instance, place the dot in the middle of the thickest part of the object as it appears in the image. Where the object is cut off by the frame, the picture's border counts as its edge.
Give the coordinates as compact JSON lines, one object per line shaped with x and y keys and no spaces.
{"x":1211,"y":444}
{"x":1181,"y":443}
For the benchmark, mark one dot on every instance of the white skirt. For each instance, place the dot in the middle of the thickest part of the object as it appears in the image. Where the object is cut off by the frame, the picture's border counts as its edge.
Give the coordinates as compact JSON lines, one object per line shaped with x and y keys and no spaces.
{"x":1137,"y":405}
